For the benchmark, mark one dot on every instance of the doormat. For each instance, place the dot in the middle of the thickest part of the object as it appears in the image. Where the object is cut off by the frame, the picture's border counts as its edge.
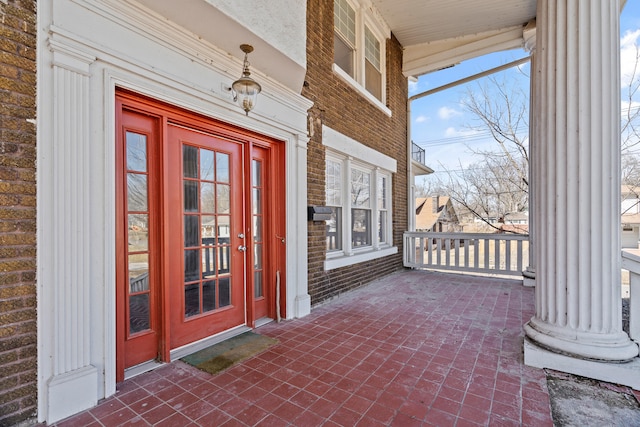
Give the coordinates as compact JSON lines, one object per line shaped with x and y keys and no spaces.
{"x":227,"y":353}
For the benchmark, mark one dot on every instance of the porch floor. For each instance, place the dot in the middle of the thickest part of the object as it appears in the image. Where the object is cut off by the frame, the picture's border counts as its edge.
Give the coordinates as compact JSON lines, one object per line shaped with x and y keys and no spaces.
{"x":412,"y":349}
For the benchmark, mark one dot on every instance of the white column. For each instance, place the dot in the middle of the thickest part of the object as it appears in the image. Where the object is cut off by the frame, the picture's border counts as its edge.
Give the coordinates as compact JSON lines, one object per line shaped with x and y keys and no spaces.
{"x":529,"y":34}
{"x":64,"y":268}
{"x":577,"y":135}
{"x":297,"y":272}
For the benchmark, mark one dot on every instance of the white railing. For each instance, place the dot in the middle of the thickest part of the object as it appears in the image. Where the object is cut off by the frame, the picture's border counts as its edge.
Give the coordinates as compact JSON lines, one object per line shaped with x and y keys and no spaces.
{"x":631,"y":262}
{"x":487,"y":253}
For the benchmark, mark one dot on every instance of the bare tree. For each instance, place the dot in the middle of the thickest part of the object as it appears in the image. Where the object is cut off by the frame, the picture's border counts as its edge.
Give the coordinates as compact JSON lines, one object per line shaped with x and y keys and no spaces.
{"x":497,"y":184}
{"x":630,"y":129}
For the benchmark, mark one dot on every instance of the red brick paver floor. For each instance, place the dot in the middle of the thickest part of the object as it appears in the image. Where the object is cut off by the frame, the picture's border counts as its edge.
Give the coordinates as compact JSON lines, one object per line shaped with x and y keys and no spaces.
{"x":412,"y":349}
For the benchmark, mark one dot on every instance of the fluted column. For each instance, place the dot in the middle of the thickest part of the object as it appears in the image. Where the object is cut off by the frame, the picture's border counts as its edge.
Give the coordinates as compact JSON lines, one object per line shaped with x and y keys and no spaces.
{"x":529,"y":34}
{"x":577,"y":180}
{"x":65,"y":219}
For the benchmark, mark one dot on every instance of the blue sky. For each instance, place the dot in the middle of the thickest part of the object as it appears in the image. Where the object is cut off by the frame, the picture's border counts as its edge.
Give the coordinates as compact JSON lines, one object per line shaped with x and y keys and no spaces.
{"x":441,"y":125}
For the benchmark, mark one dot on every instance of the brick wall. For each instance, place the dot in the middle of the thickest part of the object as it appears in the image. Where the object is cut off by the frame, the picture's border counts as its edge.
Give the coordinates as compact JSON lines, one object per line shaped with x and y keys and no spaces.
{"x":343,"y":109}
{"x":18,"y":392}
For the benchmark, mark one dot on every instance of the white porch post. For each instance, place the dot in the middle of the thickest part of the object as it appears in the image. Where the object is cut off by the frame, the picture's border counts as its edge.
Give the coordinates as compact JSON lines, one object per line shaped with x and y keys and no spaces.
{"x":577,"y":181}
{"x":529,"y":274}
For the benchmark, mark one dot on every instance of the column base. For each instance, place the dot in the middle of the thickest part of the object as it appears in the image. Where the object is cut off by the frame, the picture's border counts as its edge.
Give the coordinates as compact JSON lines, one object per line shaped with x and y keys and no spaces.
{"x":627,"y":374}
{"x":303,"y":305}
{"x":71,"y":392}
{"x":616,"y":347}
{"x":529,"y":278}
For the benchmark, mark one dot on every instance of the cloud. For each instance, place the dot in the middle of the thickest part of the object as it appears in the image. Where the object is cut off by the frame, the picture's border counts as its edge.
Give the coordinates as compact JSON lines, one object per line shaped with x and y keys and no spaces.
{"x":422,"y":119}
{"x":445,"y":113}
{"x":629,"y":55}
{"x":452,"y":132}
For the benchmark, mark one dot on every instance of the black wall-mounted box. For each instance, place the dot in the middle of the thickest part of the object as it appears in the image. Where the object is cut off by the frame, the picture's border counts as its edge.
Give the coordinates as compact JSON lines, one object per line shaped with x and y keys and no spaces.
{"x":318,"y":213}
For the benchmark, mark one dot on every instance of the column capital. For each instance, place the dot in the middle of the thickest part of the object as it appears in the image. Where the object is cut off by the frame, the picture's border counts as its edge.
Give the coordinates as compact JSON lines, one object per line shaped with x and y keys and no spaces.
{"x":70,"y":58}
{"x":529,"y":36}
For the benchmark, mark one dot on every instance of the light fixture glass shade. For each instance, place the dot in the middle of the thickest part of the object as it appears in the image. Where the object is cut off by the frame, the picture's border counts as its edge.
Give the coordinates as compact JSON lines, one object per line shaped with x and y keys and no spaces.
{"x":246,"y":90}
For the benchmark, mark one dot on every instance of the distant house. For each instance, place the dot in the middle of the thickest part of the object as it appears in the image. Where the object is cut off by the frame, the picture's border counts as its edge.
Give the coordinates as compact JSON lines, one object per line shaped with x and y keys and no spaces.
{"x":516,"y":222}
{"x":436,"y":214}
{"x":630,"y":218}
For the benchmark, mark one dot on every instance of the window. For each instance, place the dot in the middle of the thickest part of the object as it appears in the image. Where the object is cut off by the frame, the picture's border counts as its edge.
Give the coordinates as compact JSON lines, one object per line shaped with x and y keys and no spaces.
{"x":359,"y":48}
{"x":334,"y":201}
{"x":382,"y":209}
{"x":372,"y":69}
{"x":358,"y":191}
{"x":344,"y":45}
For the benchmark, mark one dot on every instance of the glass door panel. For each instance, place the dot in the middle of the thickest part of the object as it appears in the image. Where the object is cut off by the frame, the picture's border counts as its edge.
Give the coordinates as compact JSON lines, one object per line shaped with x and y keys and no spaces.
{"x":137,"y":202}
{"x":209,"y":281}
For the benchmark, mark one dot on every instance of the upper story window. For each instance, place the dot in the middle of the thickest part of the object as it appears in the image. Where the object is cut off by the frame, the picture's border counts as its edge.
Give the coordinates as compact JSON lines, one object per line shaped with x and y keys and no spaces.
{"x":359,"y":48}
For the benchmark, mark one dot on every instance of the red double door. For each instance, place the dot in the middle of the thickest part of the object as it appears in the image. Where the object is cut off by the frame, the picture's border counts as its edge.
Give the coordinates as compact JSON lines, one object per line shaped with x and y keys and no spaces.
{"x":198,"y":229}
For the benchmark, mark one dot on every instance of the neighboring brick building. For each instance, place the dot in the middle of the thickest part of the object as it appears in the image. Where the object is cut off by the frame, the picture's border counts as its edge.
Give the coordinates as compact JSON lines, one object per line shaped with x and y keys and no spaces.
{"x":343,"y":108}
{"x":18,"y":368}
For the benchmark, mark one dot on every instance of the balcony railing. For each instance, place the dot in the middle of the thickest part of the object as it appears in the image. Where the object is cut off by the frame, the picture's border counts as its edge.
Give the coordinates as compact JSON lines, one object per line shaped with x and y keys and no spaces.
{"x":417,"y":153}
{"x":486,"y":253}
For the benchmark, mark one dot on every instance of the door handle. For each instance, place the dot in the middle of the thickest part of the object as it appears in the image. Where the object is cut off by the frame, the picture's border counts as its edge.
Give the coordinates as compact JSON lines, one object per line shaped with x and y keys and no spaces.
{"x":242,"y":248}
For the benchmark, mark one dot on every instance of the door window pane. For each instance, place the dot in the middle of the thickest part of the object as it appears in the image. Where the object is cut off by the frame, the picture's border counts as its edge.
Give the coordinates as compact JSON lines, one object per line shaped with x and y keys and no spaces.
{"x":223,"y":199}
{"x":191,"y":228}
{"x":191,"y":265}
{"x":257,"y":284}
{"x":209,"y":261}
{"x":190,"y":196}
{"x":136,"y":152}
{"x":138,"y":232}
{"x":208,"y":229}
{"x":222,"y":167}
{"x":189,"y":161}
{"x":257,"y":201}
{"x":139,"y":313}
{"x":256,"y":173}
{"x":136,"y":192}
{"x":225,"y":291}
{"x":192,"y":300}
{"x":257,"y":256}
{"x":207,"y":198}
{"x":206,"y":165}
{"x":257,"y":228}
{"x":209,"y":295}
{"x":224,"y":222}
{"x":138,"y":273}
{"x":224,"y":259}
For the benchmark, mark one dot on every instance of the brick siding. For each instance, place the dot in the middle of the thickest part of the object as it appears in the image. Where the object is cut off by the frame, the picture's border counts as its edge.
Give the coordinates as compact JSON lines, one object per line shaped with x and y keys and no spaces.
{"x":339,"y":106}
{"x":18,"y":369}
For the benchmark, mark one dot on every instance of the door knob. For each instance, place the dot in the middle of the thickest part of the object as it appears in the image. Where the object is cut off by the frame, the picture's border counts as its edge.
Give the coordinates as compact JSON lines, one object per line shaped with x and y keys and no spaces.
{"x":242,"y":248}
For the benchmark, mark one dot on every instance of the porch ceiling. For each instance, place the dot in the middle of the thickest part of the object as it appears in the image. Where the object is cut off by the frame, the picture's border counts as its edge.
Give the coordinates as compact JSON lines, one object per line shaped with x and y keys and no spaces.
{"x":440,"y":33}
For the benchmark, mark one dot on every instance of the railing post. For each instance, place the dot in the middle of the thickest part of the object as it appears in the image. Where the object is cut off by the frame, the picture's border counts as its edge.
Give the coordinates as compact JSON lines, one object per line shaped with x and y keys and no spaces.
{"x":631,"y":262}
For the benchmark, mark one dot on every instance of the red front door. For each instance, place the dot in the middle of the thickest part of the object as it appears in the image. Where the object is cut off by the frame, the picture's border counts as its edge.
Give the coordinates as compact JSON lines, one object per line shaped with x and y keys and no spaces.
{"x":199,"y":208}
{"x":207,"y":244}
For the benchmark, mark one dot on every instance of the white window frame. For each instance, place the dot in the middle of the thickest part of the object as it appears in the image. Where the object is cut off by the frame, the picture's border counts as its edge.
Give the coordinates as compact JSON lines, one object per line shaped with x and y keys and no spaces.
{"x":367,"y":16}
{"x":352,"y":154}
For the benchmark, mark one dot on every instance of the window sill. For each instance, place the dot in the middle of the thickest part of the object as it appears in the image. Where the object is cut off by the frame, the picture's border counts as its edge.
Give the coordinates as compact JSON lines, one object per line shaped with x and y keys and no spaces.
{"x":343,"y":261}
{"x":360,"y":89}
